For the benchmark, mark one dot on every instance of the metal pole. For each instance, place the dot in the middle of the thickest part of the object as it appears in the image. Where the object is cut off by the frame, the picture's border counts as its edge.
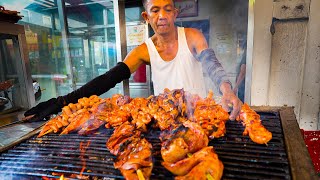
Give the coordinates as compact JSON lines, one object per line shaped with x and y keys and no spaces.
{"x":106,"y":44}
{"x":65,"y":43}
{"x":250,"y":36}
{"x":121,"y":41}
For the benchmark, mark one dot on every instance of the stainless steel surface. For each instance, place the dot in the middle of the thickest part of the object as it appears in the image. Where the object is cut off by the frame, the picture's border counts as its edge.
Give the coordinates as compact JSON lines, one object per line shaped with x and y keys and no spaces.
{"x":11,"y":129}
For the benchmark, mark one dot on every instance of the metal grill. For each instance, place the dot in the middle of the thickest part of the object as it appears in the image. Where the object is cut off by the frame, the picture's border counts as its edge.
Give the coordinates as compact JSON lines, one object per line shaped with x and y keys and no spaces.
{"x":54,"y":155}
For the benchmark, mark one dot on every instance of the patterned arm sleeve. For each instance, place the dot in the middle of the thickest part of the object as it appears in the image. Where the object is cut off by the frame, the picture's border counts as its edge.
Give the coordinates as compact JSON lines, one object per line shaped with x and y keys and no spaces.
{"x":212,"y":67}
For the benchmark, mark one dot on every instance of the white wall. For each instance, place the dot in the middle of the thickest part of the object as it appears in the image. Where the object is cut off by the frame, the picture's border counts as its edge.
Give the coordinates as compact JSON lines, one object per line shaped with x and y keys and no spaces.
{"x":288,"y":71}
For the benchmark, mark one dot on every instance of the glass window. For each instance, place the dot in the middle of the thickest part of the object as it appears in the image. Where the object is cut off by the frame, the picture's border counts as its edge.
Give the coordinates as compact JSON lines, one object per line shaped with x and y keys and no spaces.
{"x":61,"y":62}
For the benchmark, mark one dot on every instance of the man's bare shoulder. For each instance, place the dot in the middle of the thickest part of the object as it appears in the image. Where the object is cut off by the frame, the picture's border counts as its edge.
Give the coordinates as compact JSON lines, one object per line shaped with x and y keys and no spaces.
{"x":192,"y":33}
{"x":136,"y":57}
{"x":141,"y":52}
{"x":196,"y":40}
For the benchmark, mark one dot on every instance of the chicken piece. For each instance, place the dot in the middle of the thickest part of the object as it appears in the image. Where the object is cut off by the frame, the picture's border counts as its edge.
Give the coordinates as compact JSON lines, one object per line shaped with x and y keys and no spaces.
{"x":251,"y":120}
{"x":211,"y":117}
{"x":176,"y":143}
{"x":121,"y":136}
{"x":118,"y":100}
{"x":136,"y":156}
{"x":210,"y":166}
{"x":175,"y":151}
{"x":221,"y":130}
{"x":195,"y":137}
{"x":117,"y":117}
{"x":166,"y":107}
{"x":183,"y":166}
{"x":53,"y":125}
{"x":77,"y":123}
{"x":90,"y":125}
{"x":164,"y":119}
{"x":139,"y":112}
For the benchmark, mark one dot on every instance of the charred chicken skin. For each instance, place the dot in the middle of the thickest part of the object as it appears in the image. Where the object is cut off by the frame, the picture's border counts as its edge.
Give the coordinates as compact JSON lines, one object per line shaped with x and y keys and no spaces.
{"x":121,"y":136}
{"x":135,"y":157}
{"x":211,"y":167}
{"x":188,"y":138}
{"x":211,"y":117}
{"x":187,"y":122}
{"x":184,"y":166}
{"x":252,"y":122}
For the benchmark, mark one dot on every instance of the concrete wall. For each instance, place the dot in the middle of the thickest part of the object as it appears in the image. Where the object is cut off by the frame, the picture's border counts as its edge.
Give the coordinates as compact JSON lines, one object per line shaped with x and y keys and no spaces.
{"x":290,"y":66}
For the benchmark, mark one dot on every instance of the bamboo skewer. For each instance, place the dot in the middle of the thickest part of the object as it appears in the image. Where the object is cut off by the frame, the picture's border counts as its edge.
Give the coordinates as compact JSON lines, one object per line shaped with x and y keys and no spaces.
{"x":209,"y":177}
{"x":49,"y":131}
{"x":140,"y":175}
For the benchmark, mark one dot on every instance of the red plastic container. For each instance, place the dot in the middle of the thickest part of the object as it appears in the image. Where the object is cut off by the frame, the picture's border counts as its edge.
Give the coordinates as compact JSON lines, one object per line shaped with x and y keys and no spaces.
{"x":312,"y":140}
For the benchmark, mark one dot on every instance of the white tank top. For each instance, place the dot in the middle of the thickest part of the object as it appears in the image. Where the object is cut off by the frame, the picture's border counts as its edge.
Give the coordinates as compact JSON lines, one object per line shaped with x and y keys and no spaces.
{"x":184,"y":71}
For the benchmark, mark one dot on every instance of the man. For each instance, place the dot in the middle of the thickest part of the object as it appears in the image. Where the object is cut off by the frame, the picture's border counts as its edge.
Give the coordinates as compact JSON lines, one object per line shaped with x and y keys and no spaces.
{"x":171,"y":51}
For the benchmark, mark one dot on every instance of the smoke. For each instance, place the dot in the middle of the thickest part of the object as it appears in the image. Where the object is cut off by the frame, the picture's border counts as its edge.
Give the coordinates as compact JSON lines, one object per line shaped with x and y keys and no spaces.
{"x":13,"y":165}
{"x":224,"y":25}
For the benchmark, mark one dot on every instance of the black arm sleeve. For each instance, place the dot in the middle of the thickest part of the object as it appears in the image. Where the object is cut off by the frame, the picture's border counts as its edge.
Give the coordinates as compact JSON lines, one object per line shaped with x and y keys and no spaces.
{"x":97,"y":86}
{"x":212,"y":67}
{"x":100,"y":84}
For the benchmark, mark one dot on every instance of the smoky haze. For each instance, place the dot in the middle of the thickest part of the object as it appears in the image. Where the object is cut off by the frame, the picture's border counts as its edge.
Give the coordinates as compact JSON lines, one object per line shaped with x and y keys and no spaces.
{"x":224,"y":25}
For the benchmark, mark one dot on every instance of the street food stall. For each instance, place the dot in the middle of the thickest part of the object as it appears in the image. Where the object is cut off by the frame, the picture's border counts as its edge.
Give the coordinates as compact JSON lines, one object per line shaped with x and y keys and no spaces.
{"x":70,"y":42}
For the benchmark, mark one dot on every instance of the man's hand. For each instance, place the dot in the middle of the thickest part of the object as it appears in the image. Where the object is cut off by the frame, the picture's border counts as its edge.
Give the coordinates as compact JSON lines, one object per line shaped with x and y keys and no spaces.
{"x":229,"y":99}
{"x":43,"y":110}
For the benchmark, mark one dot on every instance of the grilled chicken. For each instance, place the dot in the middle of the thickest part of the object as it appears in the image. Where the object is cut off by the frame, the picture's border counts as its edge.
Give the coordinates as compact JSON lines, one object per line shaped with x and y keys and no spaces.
{"x":69,"y":114}
{"x":77,"y":123}
{"x":135,"y":157}
{"x":211,"y":167}
{"x":183,"y":166}
{"x":140,"y":113}
{"x":176,"y":143}
{"x":121,"y":136}
{"x":251,"y":120}
{"x":211,"y":117}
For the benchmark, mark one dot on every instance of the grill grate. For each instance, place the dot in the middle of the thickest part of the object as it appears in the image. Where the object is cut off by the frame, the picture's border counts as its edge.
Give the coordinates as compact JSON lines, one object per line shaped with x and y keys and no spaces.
{"x":53,"y":155}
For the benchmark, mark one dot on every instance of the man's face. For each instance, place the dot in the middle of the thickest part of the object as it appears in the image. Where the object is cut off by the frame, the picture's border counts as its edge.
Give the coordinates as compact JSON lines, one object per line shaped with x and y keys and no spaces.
{"x":161,"y":15}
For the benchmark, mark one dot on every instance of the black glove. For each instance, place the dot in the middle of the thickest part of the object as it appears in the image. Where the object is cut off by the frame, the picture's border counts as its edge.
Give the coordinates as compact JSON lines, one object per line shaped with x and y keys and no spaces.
{"x":43,"y":110}
{"x":97,"y":86}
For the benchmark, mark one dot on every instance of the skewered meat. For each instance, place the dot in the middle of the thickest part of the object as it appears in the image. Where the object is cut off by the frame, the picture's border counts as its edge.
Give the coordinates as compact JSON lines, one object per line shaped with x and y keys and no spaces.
{"x":121,"y":136}
{"x":175,"y":151}
{"x":139,"y":111}
{"x":163,"y":119}
{"x":90,"y":125}
{"x":176,"y":143}
{"x":211,"y":117}
{"x":77,"y":123}
{"x":210,"y":166}
{"x":183,"y":166}
{"x":68,"y":114}
{"x":136,"y":156}
{"x":116,"y":118}
{"x":54,"y":125}
{"x":251,"y":120}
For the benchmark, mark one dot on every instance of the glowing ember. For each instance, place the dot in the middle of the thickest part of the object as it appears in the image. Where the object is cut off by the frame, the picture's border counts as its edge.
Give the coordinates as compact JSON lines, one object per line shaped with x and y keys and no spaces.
{"x":83,"y":148}
{"x":62,"y":177}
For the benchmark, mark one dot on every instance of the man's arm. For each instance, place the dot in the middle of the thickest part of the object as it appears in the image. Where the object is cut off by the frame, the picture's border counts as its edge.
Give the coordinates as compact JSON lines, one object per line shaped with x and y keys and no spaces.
{"x":136,"y":57}
{"x":97,"y":86}
{"x":211,"y":65}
